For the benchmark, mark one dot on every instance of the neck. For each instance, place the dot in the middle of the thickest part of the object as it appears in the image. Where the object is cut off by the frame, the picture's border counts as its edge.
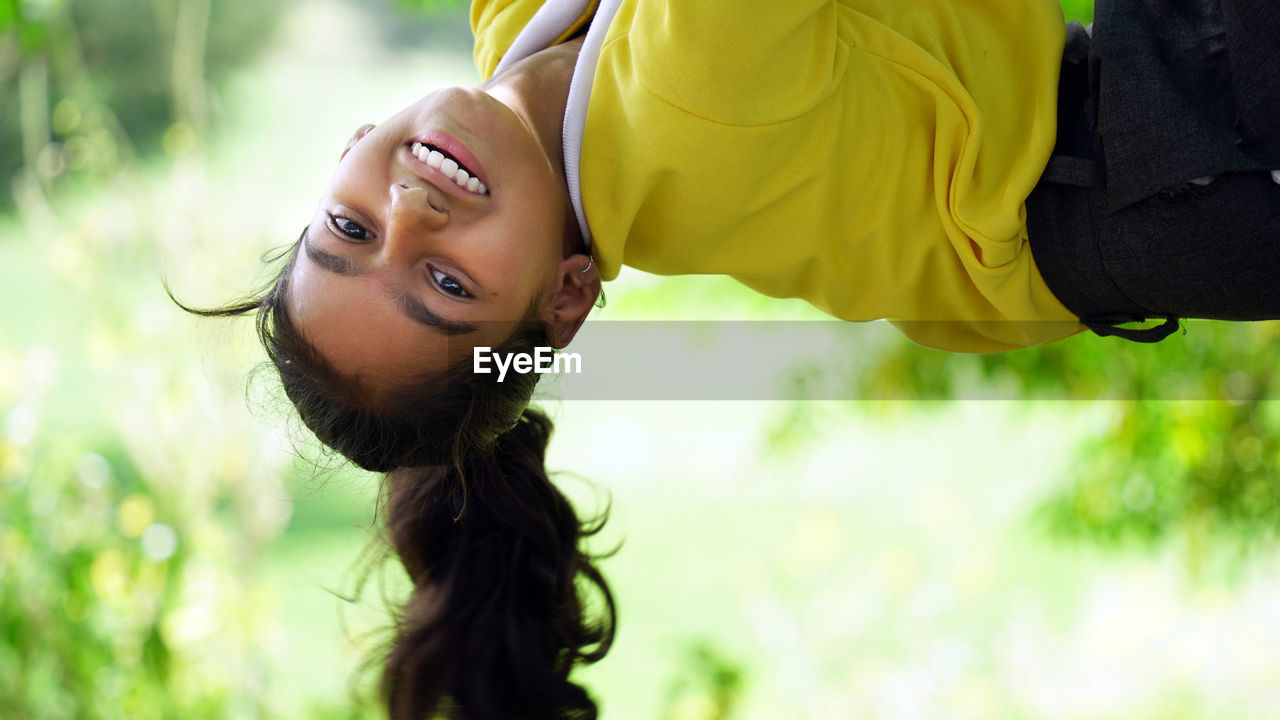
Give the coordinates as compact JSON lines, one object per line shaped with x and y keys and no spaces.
{"x":537,"y":89}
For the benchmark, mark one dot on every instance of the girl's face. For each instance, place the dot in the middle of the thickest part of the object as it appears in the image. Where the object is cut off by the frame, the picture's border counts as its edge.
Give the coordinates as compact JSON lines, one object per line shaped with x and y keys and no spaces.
{"x":403,"y":270}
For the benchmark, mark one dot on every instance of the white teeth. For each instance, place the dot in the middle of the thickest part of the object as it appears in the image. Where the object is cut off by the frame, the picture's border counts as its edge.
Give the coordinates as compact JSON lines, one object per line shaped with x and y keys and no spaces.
{"x":448,"y":166}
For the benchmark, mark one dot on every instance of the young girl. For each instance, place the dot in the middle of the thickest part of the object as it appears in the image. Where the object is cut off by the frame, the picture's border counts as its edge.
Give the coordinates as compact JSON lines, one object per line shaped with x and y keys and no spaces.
{"x":940,"y":163}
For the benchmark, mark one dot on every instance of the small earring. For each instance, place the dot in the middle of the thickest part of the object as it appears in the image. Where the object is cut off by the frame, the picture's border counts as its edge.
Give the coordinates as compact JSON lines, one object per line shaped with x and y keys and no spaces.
{"x":590,"y":261}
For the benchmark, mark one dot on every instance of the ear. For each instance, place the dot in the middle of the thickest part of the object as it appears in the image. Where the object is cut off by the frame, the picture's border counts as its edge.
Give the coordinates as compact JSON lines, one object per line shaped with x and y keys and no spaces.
{"x":573,"y":294}
{"x":355,"y":138}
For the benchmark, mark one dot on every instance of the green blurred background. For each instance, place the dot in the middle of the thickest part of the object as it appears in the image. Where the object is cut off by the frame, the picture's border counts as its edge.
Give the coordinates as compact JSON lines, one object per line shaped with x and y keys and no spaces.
{"x":171,"y":544}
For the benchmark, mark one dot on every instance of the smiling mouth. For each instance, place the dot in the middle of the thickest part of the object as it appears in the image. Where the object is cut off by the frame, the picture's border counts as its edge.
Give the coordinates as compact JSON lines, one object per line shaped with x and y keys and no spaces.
{"x":449,"y":166}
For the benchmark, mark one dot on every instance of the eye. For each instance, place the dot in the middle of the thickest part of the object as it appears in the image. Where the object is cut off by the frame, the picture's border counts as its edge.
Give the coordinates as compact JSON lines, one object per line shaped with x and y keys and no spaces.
{"x":449,"y":285}
{"x":348,"y":227}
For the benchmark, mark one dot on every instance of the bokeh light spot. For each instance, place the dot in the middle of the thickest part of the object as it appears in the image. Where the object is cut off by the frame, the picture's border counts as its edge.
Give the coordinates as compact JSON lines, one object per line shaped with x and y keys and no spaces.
{"x":108,"y":574}
{"x":159,"y":541}
{"x":1249,"y":453}
{"x":134,"y":515}
{"x":93,"y":470}
{"x":21,"y":425}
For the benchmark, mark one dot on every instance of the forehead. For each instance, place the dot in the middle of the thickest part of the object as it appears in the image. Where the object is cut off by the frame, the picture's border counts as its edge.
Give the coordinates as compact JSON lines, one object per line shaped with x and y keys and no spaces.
{"x":356,"y":324}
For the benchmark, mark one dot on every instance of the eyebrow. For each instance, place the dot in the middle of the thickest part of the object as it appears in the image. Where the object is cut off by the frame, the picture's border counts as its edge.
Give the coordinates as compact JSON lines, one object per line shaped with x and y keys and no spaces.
{"x":409,"y":304}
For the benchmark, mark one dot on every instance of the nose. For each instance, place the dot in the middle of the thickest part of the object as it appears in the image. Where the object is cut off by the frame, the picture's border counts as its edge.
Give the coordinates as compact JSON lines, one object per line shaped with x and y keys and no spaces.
{"x":413,"y":223}
{"x":414,"y":208}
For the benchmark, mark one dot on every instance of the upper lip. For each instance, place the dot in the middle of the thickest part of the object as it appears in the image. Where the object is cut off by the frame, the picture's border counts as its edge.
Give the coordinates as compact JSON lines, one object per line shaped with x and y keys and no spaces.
{"x":450,"y":145}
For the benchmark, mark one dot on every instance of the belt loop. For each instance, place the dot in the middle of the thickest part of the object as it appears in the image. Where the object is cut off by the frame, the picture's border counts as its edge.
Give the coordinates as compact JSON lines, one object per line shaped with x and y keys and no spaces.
{"x":1106,"y":325}
{"x":1079,"y":172}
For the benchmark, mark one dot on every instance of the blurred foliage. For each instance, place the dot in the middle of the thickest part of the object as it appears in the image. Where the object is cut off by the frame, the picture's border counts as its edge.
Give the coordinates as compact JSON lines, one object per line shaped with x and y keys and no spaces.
{"x":1192,"y":449}
{"x":708,"y":685}
{"x":138,"y":495}
{"x":122,"y":591}
{"x":1164,"y":468}
{"x":94,"y":85}
{"x":431,"y":6}
{"x":135,"y":499}
{"x":1080,"y":10}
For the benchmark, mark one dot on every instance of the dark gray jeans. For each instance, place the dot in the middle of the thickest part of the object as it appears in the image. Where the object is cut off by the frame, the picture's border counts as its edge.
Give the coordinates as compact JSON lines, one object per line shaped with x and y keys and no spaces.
{"x":1165,"y":91}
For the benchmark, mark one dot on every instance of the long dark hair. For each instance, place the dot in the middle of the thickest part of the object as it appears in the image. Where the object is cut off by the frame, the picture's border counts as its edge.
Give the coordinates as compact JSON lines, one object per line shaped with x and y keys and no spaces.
{"x":497,"y":618}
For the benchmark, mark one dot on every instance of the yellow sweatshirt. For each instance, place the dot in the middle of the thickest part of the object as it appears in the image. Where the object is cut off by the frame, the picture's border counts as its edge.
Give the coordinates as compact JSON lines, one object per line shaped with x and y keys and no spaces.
{"x":869,"y":156}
